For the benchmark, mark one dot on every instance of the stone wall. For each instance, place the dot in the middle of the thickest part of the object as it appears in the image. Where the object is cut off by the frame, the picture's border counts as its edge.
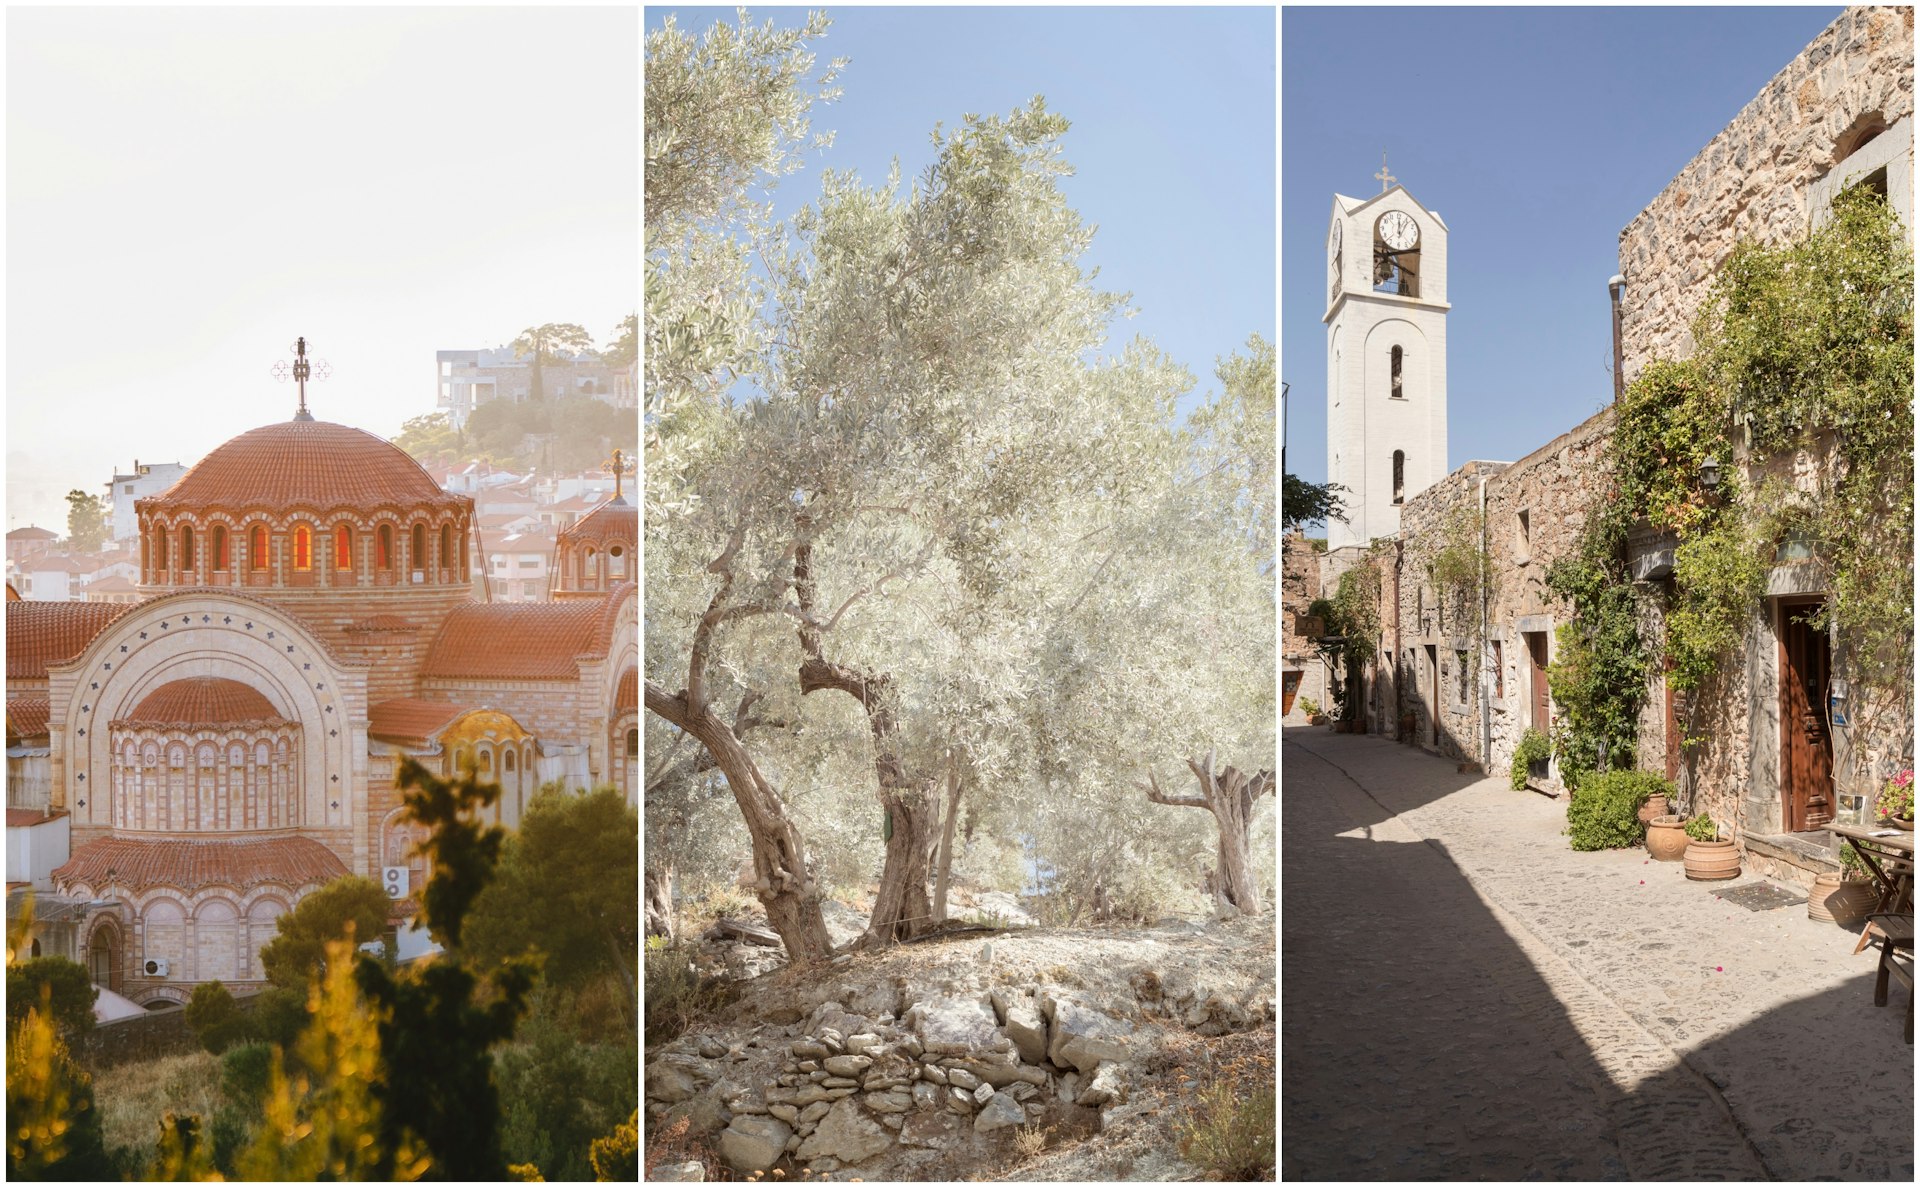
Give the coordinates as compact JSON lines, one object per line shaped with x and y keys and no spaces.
{"x":1299,"y":586}
{"x":1757,"y":178}
{"x":1438,"y":656}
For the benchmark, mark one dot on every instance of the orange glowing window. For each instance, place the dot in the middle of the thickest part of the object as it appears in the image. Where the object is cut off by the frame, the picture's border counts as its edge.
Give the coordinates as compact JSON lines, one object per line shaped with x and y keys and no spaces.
{"x":446,"y":546}
{"x":160,"y":548}
{"x":186,"y":548}
{"x":219,"y":557}
{"x":385,"y":549}
{"x":302,"y":548}
{"x":419,"y":558}
{"x":257,"y":551}
{"x":342,"y":547}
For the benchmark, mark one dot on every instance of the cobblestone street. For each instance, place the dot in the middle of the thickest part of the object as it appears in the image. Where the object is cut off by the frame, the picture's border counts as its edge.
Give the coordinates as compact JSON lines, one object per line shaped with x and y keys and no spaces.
{"x":1465,"y":997}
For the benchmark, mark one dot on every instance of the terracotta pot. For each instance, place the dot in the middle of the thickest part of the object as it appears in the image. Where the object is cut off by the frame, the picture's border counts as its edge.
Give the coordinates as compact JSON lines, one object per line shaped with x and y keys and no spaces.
{"x":1667,"y":838}
{"x":1707,"y":861}
{"x":1905,"y":823}
{"x":1655,"y":807}
{"x":1838,"y":900}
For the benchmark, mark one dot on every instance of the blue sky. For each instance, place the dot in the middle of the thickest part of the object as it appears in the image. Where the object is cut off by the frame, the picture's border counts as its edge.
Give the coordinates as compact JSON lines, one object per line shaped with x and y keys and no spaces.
{"x":1537,"y":133}
{"x":1173,"y":139}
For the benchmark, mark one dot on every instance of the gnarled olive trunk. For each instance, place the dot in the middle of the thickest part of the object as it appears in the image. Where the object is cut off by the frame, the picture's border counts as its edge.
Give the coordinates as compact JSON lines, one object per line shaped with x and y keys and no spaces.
{"x":660,"y":901}
{"x":791,"y":898}
{"x":943,"y":864}
{"x":1229,"y":795}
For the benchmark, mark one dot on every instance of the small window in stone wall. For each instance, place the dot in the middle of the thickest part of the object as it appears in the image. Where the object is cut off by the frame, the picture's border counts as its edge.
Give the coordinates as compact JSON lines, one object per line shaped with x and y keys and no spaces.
{"x":1399,"y":476}
{"x":1499,"y":672}
{"x":1523,"y":533}
{"x":1460,"y":666}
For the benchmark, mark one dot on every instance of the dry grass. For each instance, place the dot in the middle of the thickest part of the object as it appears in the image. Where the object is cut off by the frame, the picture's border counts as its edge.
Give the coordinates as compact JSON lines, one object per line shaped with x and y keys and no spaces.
{"x":132,"y":1098}
{"x":1227,"y":1128}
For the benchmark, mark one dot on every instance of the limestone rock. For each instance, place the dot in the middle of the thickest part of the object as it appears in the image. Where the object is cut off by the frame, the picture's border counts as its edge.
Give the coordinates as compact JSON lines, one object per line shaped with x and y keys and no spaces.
{"x":753,"y":1144}
{"x":1027,"y":1030}
{"x":702,"y":1112}
{"x":999,"y":1110}
{"x":690,"y":1172}
{"x":891,"y":1121}
{"x":808,"y":1066}
{"x":843,"y":1091}
{"x":952,"y":1025}
{"x":926,"y":1095}
{"x":809,"y":1050}
{"x":711,"y":1048}
{"x":846,"y":1134}
{"x":889,"y":1103}
{"x":841,"y":1083}
{"x":848,"y":1066}
{"x":983,"y":1093}
{"x":814,"y":1112}
{"x":960,"y":1078}
{"x":934,"y":1073}
{"x":960,"y":1101}
{"x":932,"y":1130}
{"x":865,"y":1042}
{"x":1083,"y":1037}
{"x":1023,"y":1093}
{"x":808,"y":1095}
{"x":784,"y":1112}
{"x":1108,"y":1085}
{"x":667,"y":1083}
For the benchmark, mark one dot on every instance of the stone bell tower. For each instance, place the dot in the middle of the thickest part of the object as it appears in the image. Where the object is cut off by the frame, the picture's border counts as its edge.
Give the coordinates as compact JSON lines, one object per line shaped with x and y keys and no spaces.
{"x":1386,"y":358}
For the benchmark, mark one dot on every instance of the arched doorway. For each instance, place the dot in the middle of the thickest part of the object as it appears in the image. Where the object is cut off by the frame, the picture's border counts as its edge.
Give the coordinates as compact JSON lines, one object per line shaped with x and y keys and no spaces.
{"x":104,"y":955}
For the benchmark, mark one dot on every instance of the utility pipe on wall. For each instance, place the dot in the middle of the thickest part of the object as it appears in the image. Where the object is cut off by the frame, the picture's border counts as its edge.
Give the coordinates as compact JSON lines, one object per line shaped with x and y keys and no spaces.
{"x":1486,"y":651}
{"x":1615,"y":287}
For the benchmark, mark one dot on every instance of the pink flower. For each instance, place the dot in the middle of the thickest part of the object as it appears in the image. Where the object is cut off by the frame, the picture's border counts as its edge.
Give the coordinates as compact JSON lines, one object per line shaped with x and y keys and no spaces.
{"x":1717,"y":969}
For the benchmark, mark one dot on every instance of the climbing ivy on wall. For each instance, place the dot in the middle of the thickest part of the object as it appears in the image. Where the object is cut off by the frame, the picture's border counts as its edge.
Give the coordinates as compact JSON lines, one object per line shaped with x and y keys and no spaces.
{"x":1461,"y":571}
{"x":1803,"y":352}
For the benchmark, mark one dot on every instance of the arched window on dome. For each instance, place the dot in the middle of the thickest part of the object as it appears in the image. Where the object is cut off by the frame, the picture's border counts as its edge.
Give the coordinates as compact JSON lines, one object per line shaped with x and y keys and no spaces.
{"x":303,"y":548}
{"x":486,"y":759}
{"x":160,"y":549}
{"x":342,"y":547}
{"x":257,"y":550}
{"x":217,"y":559}
{"x":633,"y":744}
{"x":507,"y":760}
{"x":418,"y":559}
{"x":186,"y":547}
{"x":384,"y":550}
{"x":466,"y":567}
{"x":446,"y":546}
{"x":617,"y":561}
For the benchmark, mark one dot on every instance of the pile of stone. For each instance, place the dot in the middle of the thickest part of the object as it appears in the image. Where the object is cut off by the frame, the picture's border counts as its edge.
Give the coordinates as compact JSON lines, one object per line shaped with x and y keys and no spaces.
{"x":848,"y":1088}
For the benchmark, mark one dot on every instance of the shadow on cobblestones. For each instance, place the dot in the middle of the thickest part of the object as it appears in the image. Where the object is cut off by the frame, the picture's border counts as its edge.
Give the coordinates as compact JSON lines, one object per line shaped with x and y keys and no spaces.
{"x":1426,"y":1035}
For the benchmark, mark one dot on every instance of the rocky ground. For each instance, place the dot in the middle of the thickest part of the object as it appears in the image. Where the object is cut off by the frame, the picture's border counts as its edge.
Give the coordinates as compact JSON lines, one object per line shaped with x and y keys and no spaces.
{"x":1011,"y":1053}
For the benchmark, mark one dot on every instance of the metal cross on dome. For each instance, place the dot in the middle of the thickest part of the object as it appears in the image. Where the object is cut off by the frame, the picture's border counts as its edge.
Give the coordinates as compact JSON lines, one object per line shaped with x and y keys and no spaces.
{"x":618,"y":465}
{"x":302,"y":370}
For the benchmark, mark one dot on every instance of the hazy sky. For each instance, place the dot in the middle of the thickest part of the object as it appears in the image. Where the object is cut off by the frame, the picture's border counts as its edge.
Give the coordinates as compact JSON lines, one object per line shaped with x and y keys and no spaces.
{"x":1537,"y":133}
{"x":1173,"y":113}
{"x":188,"y":190}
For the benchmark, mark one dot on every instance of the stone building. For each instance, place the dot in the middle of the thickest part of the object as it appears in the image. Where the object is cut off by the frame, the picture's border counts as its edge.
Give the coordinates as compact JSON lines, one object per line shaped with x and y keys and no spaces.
{"x":1303,"y":673}
{"x":230,"y":741}
{"x":1468,"y":681}
{"x":469,"y":379}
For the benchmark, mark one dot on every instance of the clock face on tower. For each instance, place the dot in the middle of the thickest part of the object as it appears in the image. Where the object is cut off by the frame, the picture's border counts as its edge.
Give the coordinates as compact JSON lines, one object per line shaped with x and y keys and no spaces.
{"x":1398,"y":230}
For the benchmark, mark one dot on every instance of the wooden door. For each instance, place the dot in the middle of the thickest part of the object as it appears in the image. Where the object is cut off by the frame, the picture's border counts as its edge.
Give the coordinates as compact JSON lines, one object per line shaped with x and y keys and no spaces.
{"x":1806,"y":763}
{"x":1537,"y":661}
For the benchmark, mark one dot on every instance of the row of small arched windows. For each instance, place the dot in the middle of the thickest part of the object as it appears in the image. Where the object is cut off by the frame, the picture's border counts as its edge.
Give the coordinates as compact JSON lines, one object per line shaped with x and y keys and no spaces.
{"x":335,"y":548}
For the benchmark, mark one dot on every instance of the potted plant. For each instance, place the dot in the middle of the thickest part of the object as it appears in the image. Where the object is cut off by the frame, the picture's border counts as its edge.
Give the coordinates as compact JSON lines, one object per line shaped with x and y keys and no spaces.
{"x":1896,"y":800}
{"x":1530,"y":758}
{"x":1311,"y":709}
{"x":1708,"y":857}
{"x":1844,"y":895}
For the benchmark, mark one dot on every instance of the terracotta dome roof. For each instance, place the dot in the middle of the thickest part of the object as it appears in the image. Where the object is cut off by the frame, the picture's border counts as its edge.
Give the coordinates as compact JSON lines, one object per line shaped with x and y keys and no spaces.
{"x":204,"y":701}
{"x":626,"y":694}
{"x":614,"y":520}
{"x":313,"y":464}
{"x":518,"y":641}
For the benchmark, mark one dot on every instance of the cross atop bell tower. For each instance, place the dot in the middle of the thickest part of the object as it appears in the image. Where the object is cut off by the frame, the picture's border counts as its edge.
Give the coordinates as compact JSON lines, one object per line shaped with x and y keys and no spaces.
{"x":1385,"y":179}
{"x":618,"y":466}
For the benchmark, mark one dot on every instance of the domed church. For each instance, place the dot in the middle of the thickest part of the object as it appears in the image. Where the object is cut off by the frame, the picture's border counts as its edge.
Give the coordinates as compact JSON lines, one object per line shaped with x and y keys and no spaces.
{"x":228,"y":744}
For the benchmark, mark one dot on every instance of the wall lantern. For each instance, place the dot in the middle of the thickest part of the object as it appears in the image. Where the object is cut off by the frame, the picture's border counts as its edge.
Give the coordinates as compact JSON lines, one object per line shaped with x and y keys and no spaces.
{"x":1710,"y":473}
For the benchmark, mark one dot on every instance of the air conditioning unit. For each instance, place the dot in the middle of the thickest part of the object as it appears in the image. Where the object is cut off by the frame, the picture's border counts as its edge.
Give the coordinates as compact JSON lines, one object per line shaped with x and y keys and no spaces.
{"x":397,"y":880}
{"x":157,"y":967}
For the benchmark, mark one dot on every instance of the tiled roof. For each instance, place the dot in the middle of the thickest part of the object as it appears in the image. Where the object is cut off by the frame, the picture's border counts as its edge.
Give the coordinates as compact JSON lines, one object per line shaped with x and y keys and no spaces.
{"x":204,"y":701}
{"x":27,"y":716}
{"x":517,"y":641}
{"x":626,"y":695}
{"x":189,"y":865}
{"x":314,"y":464}
{"x":43,"y":633}
{"x":112,"y":585}
{"x":614,"y":520}
{"x":409,"y":719}
{"x":31,"y":532}
{"x":21,"y":817}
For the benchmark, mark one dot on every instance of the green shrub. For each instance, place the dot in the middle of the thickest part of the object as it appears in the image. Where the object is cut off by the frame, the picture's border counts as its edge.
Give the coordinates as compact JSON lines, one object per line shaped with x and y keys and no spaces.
{"x":1601,"y":811}
{"x":216,"y":1018}
{"x":54,"y":986}
{"x":1850,"y":864}
{"x":1309,"y":707}
{"x":245,"y":1074}
{"x":1702,"y":829}
{"x":1534,"y":747}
